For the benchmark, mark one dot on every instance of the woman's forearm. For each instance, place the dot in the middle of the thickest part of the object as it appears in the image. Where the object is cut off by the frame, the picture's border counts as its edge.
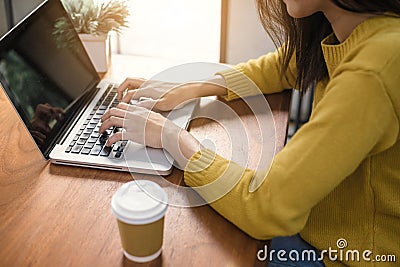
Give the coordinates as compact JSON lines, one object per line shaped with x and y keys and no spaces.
{"x":215,"y":86}
{"x":179,"y":143}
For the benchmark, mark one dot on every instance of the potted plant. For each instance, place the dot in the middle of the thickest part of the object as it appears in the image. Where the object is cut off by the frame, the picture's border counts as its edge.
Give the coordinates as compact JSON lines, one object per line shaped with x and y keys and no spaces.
{"x":93,"y":20}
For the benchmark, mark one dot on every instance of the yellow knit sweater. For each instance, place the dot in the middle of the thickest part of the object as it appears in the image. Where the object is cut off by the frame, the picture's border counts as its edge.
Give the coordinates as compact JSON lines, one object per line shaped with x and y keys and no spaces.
{"x":339,"y":176}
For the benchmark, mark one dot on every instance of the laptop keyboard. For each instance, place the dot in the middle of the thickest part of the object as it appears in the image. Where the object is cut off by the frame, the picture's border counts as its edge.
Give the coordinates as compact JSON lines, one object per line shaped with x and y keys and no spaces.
{"x":88,"y":141}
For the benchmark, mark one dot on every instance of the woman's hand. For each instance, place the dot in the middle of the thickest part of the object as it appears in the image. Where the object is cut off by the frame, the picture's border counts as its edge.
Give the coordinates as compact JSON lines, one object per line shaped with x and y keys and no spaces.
{"x":141,"y":125}
{"x":151,"y":129}
{"x":162,"y":96}
{"x":165,"y":96}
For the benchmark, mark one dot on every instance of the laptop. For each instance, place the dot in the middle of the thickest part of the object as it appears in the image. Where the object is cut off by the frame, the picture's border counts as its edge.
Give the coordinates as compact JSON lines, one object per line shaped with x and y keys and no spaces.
{"x":50,"y":80}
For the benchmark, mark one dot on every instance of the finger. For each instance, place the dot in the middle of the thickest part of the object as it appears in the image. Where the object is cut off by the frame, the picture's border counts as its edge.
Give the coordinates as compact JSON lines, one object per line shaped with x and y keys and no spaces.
{"x":122,"y":87}
{"x":130,"y":108}
{"x":135,"y":94}
{"x":56,"y":113}
{"x":116,"y":112}
{"x":128,"y":96}
{"x":114,"y":138}
{"x":110,"y":122}
{"x":136,"y":110}
{"x":150,"y":104}
{"x":41,"y":109}
{"x":124,"y":106}
{"x":59,"y":110}
{"x":128,"y":84}
{"x":41,"y":126}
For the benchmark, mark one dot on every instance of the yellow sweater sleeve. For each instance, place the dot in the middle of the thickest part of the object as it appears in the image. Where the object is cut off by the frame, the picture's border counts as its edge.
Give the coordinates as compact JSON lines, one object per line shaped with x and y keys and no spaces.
{"x":318,"y":158}
{"x":261,"y":75}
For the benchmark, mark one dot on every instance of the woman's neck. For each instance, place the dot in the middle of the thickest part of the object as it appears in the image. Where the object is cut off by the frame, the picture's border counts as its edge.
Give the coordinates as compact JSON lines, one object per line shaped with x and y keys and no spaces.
{"x":342,"y":21}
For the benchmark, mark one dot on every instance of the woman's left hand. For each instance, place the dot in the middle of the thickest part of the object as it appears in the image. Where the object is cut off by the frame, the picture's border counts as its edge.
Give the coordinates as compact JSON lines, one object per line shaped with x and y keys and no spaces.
{"x":141,"y":125}
{"x":151,"y":129}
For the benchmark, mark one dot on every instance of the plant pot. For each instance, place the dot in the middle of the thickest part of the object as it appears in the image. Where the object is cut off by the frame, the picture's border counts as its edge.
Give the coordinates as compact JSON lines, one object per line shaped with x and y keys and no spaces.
{"x":98,"y":49}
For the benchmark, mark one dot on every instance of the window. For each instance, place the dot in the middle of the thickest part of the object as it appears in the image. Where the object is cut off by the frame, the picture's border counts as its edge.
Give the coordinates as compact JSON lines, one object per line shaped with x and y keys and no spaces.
{"x":183,"y":30}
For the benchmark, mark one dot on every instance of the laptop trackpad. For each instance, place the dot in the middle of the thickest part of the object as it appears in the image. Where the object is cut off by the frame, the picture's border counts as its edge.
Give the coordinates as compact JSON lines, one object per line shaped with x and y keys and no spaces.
{"x":136,"y":154}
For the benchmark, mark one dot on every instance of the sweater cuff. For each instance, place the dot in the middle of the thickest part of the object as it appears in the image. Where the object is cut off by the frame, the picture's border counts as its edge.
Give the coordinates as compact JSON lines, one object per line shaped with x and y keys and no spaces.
{"x":196,"y":171}
{"x":212,"y":176}
{"x":238,"y":84}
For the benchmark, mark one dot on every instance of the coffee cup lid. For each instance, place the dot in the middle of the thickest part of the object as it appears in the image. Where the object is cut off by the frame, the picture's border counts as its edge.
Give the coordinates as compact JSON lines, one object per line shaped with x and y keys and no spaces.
{"x":139,"y":202}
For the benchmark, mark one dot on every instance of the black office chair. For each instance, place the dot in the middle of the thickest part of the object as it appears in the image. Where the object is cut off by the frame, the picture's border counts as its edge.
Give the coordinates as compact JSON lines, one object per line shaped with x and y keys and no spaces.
{"x":300,"y":110}
{"x":9,"y":13}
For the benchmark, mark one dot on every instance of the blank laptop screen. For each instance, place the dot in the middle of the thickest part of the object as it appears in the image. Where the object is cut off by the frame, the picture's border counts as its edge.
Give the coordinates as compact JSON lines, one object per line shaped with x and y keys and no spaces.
{"x":45,"y":70}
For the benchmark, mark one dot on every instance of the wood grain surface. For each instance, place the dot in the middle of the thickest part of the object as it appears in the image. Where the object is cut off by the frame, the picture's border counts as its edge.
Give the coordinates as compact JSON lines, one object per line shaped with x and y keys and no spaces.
{"x":54,"y":215}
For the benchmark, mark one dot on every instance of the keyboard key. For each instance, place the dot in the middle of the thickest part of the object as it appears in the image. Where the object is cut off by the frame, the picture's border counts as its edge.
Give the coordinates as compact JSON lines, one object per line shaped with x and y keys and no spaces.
{"x":114,"y":104}
{"x":88,"y":131}
{"x":89,"y":145}
{"x":83,"y":126}
{"x":117,"y":129}
{"x":91,"y":125}
{"x":96,"y":150}
{"x":103,"y":138}
{"x":85,"y":135}
{"x":106,"y":151}
{"x":72,"y":143}
{"x":118,"y":155}
{"x":81,"y":141}
{"x":76,"y":149}
{"x":68,"y":149}
{"x":85,"y":151}
{"x":92,"y":139}
{"x":76,"y":138}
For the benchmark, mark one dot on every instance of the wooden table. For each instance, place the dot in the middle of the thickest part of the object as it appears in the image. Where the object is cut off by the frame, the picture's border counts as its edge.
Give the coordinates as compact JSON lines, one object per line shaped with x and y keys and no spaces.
{"x":60,"y":216}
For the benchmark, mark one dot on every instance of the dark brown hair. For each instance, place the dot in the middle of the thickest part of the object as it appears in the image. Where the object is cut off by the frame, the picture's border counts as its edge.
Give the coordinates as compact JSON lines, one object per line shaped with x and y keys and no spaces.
{"x":303,"y":36}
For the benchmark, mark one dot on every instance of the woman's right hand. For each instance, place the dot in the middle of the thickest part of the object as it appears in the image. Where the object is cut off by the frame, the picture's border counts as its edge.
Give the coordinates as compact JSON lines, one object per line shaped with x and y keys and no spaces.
{"x":165,"y":96}
{"x":157,"y":95}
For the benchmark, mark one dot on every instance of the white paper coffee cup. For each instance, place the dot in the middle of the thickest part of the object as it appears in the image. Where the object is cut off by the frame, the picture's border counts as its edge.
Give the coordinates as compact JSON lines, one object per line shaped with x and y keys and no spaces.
{"x":139,"y":207}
